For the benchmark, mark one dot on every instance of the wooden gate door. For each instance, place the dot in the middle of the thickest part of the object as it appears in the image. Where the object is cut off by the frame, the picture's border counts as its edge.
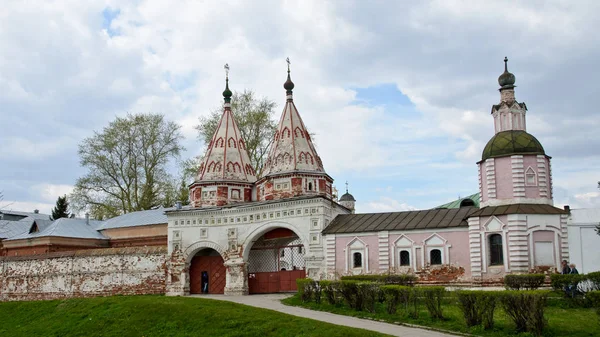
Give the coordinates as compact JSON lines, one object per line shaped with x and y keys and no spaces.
{"x":216,"y":274}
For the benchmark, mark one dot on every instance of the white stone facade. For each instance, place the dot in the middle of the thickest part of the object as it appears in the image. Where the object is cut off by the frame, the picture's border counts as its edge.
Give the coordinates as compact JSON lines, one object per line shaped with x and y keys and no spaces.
{"x":232,"y":231}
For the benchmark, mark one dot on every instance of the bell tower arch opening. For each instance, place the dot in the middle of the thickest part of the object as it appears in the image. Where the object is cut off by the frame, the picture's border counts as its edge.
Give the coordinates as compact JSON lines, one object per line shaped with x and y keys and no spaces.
{"x":207,"y":272}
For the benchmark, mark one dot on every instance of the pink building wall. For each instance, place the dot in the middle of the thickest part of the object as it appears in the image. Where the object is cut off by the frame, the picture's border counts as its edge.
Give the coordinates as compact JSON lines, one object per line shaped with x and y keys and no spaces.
{"x":504,"y":184}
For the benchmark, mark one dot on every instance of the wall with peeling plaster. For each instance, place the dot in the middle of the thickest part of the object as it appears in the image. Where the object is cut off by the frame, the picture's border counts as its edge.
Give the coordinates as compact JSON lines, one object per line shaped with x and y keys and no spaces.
{"x":97,"y":272}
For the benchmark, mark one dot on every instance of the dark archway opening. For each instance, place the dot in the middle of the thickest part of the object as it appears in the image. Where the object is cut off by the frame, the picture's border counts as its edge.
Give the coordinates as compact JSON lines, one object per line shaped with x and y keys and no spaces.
{"x":207,"y":272}
{"x":275,"y":261}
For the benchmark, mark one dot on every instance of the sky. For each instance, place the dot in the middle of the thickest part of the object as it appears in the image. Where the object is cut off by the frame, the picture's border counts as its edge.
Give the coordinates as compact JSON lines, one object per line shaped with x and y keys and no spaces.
{"x":398,"y":93}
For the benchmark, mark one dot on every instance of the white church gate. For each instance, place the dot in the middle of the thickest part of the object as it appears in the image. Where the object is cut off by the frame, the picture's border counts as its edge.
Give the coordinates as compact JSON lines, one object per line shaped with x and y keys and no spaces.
{"x":275,"y":261}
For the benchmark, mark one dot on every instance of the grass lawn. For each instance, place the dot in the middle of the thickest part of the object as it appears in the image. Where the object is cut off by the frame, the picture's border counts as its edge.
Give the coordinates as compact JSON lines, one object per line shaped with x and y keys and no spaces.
{"x":562,"y":321}
{"x":126,"y":316}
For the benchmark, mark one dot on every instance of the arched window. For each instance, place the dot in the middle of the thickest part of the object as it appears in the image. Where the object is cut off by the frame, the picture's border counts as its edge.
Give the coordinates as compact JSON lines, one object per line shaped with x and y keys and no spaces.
{"x":404,"y":258}
{"x":310,"y":186}
{"x":530,"y":177}
{"x":435,"y":256}
{"x":496,"y":253}
{"x":357,"y":260}
{"x":467,"y":202}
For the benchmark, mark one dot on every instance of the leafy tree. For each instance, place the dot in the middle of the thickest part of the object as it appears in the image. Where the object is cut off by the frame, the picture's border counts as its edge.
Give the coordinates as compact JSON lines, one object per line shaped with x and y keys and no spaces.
{"x":254,"y":117}
{"x":61,"y":210}
{"x":127,"y":165}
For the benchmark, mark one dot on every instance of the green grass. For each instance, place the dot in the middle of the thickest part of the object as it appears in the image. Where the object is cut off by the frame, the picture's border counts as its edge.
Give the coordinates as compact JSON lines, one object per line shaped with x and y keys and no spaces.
{"x":126,"y":316}
{"x":562,"y":320}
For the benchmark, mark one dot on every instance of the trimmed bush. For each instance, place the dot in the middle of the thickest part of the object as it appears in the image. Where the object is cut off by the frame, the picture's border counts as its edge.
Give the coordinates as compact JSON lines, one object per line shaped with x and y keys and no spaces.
{"x":594,"y":298}
{"x":369,"y":294}
{"x":566,"y":282}
{"x":524,"y":281}
{"x":468,"y":304}
{"x":526,"y":309}
{"x":398,"y":279}
{"x":331,"y":290}
{"x":594,"y":280}
{"x":487,"y":306}
{"x":306,"y":287}
{"x":349,"y":291}
{"x":394,"y":296}
{"x":433,"y":300}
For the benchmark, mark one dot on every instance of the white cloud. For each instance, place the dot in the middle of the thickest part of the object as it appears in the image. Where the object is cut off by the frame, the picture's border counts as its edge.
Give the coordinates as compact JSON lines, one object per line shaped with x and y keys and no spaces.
{"x":68,"y":77}
{"x":384,"y":204}
{"x":51,"y":192}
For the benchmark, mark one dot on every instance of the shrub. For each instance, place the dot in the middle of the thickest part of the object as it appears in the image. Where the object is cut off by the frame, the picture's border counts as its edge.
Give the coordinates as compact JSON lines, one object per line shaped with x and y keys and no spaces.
{"x":393,"y":297}
{"x":368,"y":293}
{"x":433,"y":300}
{"x":398,"y":279}
{"x":487,"y":306}
{"x":561,"y":282}
{"x":594,"y":298}
{"x":306,"y":288}
{"x":330,"y":289}
{"x":526,"y":309}
{"x":349,"y":291}
{"x":412,"y":301}
{"x":594,"y":280}
{"x":468,"y":304}
{"x":317,"y":290}
{"x":524,"y":281}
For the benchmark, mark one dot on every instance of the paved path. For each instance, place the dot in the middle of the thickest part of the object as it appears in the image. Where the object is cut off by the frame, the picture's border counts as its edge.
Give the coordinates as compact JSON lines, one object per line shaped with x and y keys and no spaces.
{"x":272,"y":302}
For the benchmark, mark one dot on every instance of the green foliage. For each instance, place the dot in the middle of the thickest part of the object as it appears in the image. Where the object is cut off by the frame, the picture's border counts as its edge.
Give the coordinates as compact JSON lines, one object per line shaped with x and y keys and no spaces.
{"x":61,"y":210}
{"x":399,"y":279}
{"x":349,"y":291}
{"x":127,"y":165}
{"x":478,"y":307}
{"x":594,"y":298}
{"x":306,"y":289}
{"x":369,"y":293}
{"x":433,"y":300}
{"x":594,"y":280}
{"x":561,"y":282}
{"x":395,"y":296}
{"x":331,"y":290}
{"x":524,"y":281}
{"x":254,"y":117}
{"x":526,"y":309}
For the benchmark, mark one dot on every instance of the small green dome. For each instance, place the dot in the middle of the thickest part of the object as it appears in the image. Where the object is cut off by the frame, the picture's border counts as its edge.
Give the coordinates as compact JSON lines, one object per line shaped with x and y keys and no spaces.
{"x":511,"y":142}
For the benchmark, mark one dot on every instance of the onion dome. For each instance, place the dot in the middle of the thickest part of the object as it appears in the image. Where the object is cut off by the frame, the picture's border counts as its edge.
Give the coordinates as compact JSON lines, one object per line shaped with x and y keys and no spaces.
{"x":227,"y":93}
{"x":347,"y":197}
{"x":507,"y":79}
{"x":512,"y":142}
{"x":288,"y":85}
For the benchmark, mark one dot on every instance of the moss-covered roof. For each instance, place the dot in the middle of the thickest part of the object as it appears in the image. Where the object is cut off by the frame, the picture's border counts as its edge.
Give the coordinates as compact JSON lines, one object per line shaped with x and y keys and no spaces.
{"x":511,"y":142}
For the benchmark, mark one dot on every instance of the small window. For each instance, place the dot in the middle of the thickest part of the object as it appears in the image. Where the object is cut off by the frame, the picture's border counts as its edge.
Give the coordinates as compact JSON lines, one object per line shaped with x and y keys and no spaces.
{"x":404,"y":258}
{"x":357,"y":260}
{"x":300,"y":249}
{"x":496,"y":254}
{"x":435,"y":256}
{"x":310,"y":186}
{"x":530,"y":177}
{"x":235,"y":194}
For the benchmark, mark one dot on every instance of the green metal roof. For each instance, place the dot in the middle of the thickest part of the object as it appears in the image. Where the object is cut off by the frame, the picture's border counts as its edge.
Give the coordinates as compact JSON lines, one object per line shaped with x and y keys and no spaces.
{"x":511,"y":142}
{"x":456,"y":203}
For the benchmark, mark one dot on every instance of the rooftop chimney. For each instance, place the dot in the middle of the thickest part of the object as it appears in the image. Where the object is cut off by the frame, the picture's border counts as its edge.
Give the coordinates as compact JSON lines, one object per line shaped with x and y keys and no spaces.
{"x":178,"y":204}
{"x":567,"y":209}
{"x":87,"y":218}
{"x":36,"y":211}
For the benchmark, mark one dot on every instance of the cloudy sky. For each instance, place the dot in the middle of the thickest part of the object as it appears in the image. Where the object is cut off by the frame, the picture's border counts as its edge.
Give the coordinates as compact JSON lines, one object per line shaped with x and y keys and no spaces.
{"x":398,"y":95}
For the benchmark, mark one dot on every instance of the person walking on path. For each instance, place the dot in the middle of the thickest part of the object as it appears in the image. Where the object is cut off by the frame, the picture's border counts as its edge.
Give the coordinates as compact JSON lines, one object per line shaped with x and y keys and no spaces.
{"x":565,"y":267}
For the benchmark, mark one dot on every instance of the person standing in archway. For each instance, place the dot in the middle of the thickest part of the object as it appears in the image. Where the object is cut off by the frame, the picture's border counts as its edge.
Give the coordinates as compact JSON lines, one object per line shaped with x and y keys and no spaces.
{"x":204,"y":281}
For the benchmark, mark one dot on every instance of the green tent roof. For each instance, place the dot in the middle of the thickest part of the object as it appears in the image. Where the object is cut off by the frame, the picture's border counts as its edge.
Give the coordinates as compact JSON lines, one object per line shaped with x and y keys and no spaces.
{"x":511,"y":142}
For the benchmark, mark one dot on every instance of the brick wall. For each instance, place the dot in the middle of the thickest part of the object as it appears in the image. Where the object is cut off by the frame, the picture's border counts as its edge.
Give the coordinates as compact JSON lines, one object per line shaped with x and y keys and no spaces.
{"x":95,"y":272}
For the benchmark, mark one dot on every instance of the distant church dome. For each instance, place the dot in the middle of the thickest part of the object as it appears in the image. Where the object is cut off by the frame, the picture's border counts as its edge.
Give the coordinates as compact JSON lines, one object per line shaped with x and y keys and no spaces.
{"x":507,"y":79}
{"x":511,"y":142}
{"x":347,"y":197}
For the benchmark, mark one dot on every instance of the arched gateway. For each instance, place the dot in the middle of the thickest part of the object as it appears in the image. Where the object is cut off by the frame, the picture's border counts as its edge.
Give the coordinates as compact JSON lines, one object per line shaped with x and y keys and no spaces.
{"x":207,"y":272}
{"x":275,"y":261}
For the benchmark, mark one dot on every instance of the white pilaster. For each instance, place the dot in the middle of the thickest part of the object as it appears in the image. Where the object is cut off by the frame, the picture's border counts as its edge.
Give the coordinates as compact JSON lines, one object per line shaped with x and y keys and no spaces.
{"x":384,"y":250}
{"x":475,"y":247}
{"x":518,"y":176}
{"x":564,"y":237}
{"x":518,"y":252}
{"x":490,"y":177}
{"x":542,"y":176}
{"x":330,"y":253}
